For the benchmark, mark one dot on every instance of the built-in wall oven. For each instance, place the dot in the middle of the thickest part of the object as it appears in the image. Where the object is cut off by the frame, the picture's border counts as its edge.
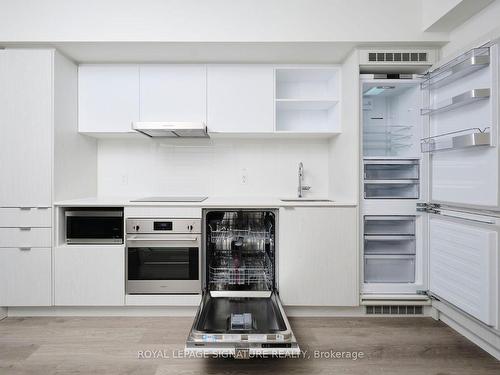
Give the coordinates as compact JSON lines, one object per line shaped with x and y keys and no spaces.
{"x":163,"y":256}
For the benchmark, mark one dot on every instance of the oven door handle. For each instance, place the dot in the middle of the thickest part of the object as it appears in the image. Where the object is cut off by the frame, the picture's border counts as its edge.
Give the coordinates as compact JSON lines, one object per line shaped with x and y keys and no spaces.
{"x":163,"y":239}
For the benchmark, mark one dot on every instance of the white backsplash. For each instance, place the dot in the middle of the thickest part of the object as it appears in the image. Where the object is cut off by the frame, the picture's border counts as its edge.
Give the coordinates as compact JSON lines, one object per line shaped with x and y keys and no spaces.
{"x":222,"y":167}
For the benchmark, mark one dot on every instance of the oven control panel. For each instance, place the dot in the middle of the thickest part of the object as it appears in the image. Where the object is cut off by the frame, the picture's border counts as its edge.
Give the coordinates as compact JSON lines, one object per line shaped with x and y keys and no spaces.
{"x":163,"y":225}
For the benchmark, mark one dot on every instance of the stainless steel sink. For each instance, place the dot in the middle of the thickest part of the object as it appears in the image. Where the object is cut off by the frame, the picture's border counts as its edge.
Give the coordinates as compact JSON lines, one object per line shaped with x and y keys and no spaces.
{"x":304,"y":200}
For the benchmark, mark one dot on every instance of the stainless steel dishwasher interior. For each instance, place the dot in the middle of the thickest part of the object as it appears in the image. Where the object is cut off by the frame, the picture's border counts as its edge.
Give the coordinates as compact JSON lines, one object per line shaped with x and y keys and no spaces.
{"x":216,"y":316}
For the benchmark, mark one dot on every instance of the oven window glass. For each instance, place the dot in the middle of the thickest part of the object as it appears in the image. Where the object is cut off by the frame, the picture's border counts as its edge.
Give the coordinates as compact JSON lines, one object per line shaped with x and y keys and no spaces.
{"x":169,"y":263}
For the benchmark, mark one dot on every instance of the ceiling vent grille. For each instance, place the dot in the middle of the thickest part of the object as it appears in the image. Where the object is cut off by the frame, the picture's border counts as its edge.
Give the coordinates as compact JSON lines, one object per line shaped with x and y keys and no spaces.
{"x":398,"y":57}
{"x":394,"y":310}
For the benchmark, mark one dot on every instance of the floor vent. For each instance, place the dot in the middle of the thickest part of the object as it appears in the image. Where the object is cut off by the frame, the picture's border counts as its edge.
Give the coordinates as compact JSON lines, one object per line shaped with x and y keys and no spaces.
{"x":394,"y":310}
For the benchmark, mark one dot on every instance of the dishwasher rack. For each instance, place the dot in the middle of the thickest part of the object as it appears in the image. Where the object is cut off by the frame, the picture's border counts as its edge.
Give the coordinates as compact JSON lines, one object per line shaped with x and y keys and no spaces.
{"x":246,"y":239}
{"x":245,"y":271}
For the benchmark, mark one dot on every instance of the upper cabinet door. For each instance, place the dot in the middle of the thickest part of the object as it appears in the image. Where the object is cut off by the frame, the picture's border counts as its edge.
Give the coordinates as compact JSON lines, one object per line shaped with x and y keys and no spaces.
{"x":26,"y":110}
{"x":240,"y":98}
{"x":173,"y":93}
{"x":108,"y":98}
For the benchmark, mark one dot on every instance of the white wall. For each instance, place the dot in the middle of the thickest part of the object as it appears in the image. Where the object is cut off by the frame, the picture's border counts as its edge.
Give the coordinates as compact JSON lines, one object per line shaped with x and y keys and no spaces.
{"x":482,"y":27}
{"x":212,"y":21}
{"x":433,"y":10}
{"x":142,"y":167}
{"x":344,"y":149}
{"x":75,"y":156}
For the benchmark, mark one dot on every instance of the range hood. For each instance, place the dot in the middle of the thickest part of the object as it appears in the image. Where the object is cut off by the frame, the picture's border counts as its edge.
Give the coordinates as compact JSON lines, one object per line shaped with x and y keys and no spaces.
{"x":171,"y":129}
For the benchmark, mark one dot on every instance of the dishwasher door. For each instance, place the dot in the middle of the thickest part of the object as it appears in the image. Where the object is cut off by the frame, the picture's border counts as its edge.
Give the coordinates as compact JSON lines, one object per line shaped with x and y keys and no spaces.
{"x":243,"y":327}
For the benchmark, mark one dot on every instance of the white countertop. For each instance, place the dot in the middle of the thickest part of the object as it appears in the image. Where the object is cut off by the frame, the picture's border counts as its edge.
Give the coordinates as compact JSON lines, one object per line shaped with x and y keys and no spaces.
{"x":265,"y":202}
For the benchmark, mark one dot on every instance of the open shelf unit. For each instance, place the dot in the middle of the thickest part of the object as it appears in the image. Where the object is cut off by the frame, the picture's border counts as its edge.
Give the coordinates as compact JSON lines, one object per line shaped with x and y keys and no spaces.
{"x":307,"y":99}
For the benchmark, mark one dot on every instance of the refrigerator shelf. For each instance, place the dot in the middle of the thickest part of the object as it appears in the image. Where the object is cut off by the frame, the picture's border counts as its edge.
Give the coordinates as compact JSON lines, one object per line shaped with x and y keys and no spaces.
{"x":465,"y":138}
{"x":461,"y":66}
{"x":456,"y":101}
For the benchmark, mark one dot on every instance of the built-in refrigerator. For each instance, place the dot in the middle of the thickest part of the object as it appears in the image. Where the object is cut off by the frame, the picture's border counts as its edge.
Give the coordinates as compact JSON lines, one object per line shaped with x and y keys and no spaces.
{"x":430,"y":185}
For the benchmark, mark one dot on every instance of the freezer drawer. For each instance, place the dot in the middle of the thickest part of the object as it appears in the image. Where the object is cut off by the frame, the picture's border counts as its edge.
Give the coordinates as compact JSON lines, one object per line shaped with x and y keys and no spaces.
{"x":390,"y":245}
{"x":389,"y":268}
{"x":400,"y":189}
{"x":391,"y":170}
{"x":241,"y":326}
{"x":389,"y":225}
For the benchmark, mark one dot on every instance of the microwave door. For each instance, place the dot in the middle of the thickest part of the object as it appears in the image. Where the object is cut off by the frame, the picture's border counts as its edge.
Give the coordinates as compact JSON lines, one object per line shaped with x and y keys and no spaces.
{"x":241,"y":327}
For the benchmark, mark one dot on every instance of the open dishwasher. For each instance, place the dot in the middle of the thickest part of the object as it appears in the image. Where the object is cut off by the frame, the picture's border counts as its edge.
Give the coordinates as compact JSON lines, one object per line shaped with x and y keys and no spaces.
{"x":240,"y":313}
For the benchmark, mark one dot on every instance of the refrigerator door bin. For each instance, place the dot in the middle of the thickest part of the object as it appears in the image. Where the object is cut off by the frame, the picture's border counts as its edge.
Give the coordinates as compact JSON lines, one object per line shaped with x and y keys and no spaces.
{"x":392,"y":189}
{"x":389,"y":268}
{"x":385,"y":245}
{"x":457,"y":68}
{"x":468,"y":97}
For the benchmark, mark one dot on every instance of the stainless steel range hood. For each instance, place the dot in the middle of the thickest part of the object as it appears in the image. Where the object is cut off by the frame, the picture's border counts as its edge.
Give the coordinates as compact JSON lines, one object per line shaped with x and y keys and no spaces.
{"x":172,"y":129}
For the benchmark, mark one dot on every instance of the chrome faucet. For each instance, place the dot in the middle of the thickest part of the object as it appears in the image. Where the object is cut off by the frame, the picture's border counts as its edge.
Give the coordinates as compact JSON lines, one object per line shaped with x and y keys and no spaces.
{"x":301,"y":177}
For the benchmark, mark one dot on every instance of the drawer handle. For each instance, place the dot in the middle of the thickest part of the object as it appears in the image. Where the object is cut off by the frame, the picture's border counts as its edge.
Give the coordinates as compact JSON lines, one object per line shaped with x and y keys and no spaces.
{"x":25,"y":248}
{"x":25,"y":228}
{"x":25,"y":208}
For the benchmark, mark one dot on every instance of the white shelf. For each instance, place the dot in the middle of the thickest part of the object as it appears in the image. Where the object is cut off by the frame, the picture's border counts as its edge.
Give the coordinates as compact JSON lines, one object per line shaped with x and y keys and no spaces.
{"x":307,"y":100}
{"x":305,"y":104}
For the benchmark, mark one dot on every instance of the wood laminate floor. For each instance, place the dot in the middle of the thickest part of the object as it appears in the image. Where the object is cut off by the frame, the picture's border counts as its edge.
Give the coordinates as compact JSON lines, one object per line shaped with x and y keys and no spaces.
{"x":111,"y":345}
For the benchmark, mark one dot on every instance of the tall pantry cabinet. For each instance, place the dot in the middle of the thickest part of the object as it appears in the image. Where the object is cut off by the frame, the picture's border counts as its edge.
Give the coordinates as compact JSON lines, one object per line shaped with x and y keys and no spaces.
{"x":42,"y":158}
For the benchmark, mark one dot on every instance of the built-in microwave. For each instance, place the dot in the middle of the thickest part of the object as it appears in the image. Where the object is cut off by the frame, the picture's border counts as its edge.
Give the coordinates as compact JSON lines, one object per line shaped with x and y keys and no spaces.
{"x":94,"y":226}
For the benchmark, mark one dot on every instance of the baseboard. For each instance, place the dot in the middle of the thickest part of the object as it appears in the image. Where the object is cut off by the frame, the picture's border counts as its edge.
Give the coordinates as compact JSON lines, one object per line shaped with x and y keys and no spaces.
{"x":483,"y":336}
{"x":103,"y":311}
{"x":291,"y":311}
{"x":312,"y":311}
{"x":3,"y":313}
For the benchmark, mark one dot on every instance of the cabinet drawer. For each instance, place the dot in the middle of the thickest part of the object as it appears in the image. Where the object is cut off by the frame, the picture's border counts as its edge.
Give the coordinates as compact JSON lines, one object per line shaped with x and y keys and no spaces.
{"x":402,"y":189}
{"x":390,"y":245}
{"x":391,"y":170}
{"x":25,"y":217}
{"x":25,"y":277}
{"x":389,"y":268}
{"x":25,"y":237}
{"x":390,"y":225}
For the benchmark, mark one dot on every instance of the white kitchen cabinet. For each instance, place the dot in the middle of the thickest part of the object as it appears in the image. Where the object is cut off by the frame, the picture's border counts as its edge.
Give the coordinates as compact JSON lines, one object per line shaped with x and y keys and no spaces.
{"x":25,"y":277}
{"x":25,"y":237}
{"x":170,"y":92}
{"x":25,"y":217}
{"x":89,"y":275}
{"x":307,"y":99}
{"x":240,"y":98}
{"x":26,"y":114}
{"x":318,"y":256}
{"x":108,"y":98}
